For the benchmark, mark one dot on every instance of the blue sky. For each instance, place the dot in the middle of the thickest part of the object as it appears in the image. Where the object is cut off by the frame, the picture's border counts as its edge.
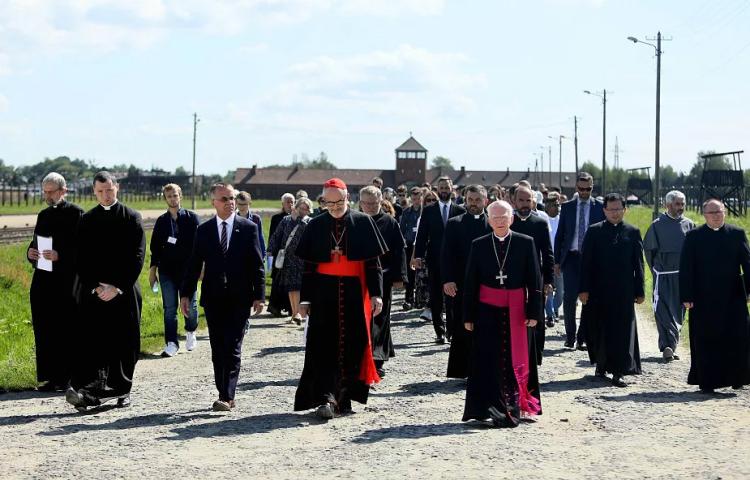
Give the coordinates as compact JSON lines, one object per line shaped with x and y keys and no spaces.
{"x":481,"y":82}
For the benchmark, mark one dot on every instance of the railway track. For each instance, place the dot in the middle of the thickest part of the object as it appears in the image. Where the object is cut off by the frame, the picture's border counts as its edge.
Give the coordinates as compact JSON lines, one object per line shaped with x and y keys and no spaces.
{"x":10,"y":236}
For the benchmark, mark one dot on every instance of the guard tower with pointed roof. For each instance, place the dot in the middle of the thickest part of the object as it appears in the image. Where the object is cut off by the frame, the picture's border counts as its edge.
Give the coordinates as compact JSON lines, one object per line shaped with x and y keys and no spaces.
{"x":411,"y":163}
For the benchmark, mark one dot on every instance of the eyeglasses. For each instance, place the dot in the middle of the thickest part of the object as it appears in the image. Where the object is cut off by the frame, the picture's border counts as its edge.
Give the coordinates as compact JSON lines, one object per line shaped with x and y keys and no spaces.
{"x":225,"y":199}
{"x":614,"y":210}
{"x":714,"y":212}
{"x":584,"y":189}
{"x":242,"y":204}
{"x":337,"y":203}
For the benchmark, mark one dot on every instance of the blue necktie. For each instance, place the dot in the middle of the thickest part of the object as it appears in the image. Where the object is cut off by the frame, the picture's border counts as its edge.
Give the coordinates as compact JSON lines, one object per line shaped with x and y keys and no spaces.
{"x":581,"y":224}
{"x":445,"y":214}
{"x":224,"y":242}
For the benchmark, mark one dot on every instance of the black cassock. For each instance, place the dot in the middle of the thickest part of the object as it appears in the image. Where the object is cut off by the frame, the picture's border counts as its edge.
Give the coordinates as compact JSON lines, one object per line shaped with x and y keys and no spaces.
{"x":710,"y":278}
{"x":612,"y":274}
{"x":537,"y":228}
{"x":394,"y":270}
{"x":492,"y":381}
{"x":337,"y":336}
{"x":112,"y":248}
{"x":53,"y":306}
{"x":460,"y":231}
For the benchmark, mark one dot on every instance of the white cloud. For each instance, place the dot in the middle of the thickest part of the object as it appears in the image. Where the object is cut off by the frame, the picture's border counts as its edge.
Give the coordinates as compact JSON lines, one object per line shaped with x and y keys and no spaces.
{"x":365,"y":92}
{"x":110,"y":24}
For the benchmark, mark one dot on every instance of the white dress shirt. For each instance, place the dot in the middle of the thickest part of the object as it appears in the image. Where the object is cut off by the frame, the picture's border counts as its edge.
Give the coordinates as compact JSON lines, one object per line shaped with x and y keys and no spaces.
{"x":230,"y":225}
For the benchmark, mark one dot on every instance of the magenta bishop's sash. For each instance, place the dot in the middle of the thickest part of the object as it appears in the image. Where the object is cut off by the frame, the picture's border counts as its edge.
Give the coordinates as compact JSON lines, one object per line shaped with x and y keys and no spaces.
{"x":514,"y":299}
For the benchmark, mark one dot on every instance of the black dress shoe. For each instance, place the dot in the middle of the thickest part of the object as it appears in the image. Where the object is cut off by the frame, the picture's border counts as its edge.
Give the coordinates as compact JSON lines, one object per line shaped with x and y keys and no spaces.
{"x":440,"y":340}
{"x":600,"y":373}
{"x":550,"y":322}
{"x":617,"y":381}
{"x":582,"y":347}
{"x":326,"y":411}
{"x":568,"y":345}
{"x":736,"y":387}
{"x":406,"y":306}
{"x":47,"y":387}
{"x":124,"y":401}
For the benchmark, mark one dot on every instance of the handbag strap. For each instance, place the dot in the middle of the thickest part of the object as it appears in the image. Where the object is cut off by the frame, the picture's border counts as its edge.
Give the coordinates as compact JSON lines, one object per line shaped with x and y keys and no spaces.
{"x":291,"y":236}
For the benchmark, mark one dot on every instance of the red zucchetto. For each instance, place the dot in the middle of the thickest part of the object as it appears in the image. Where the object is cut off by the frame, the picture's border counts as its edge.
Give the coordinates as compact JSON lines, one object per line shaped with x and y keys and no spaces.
{"x":335,"y":183}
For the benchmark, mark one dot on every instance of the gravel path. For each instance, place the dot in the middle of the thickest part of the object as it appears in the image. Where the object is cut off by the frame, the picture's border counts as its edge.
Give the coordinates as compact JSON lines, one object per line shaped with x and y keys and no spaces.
{"x":658,"y":427}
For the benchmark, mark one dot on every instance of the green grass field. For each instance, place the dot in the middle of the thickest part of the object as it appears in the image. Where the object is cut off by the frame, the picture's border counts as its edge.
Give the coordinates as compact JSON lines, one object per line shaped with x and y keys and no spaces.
{"x":17,"y":361}
{"x":156,"y":204}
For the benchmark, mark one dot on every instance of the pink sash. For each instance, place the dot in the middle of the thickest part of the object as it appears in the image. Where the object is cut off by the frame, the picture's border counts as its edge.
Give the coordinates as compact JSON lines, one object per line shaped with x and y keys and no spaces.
{"x":514,"y":300}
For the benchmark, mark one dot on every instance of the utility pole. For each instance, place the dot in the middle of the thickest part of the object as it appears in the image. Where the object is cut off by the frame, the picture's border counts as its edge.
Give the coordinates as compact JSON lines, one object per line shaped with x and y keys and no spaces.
{"x":657,"y":176}
{"x":575,"y":143}
{"x":195,"y":131}
{"x":604,"y":142}
{"x":550,"y":164}
{"x":559,"y":157}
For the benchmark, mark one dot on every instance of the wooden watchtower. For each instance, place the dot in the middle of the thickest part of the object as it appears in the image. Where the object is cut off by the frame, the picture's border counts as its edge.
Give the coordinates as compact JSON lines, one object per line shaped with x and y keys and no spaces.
{"x":641,"y":188}
{"x":725,"y":185}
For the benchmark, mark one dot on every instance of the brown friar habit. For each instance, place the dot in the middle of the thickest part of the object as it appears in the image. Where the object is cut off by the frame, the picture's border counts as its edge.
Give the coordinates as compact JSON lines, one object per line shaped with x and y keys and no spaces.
{"x":338,"y":337}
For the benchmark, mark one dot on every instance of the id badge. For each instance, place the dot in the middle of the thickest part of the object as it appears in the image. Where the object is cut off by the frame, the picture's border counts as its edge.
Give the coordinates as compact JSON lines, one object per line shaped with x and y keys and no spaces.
{"x":414,"y":229}
{"x":172,"y":240}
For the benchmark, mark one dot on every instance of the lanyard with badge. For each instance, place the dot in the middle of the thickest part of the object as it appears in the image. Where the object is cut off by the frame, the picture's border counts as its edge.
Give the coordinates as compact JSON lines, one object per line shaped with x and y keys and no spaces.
{"x":175,"y":229}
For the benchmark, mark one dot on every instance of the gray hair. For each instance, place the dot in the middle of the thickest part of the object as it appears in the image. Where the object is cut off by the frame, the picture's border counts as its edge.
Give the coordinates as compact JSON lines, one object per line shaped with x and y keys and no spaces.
{"x":287,"y":195}
{"x":371,"y":190}
{"x":304,"y":200}
{"x":56,"y":178}
{"x":673,"y":195}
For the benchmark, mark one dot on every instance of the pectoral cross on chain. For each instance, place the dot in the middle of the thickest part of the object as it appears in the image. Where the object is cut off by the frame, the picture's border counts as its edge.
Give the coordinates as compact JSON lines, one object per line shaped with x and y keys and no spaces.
{"x":336,"y":253}
{"x":501,"y":277}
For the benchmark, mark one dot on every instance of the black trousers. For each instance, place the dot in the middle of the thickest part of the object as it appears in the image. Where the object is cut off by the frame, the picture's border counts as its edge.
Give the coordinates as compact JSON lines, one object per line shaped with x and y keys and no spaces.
{"x":571,"y":270}
{"x":279,"y":298}
{"x":437,"y":300}
{"x":410,"y":275}
{"x":226,"y":329}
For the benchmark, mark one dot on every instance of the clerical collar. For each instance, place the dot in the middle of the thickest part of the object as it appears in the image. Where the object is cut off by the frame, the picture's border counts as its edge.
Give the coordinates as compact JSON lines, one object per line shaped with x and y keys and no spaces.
{"x":502,"y":239}
{"x":477,"y":217}
{"x":108,"y":207}
{"x":673,"y":218}
{"x":717,"y":228}
{"x":523,"y":219}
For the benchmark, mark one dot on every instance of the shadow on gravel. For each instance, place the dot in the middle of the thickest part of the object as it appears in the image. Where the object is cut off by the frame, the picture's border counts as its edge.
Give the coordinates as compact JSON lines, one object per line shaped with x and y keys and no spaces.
{"x":24,"y":419}
{"x":28,"y":394}
{"x":427,"y":353}
{"x":243,"y":426}
{"x":415,"y":323}
{"x":405,"y":346}
{"x":258,"y":326}
{"x":653,"y":360}
{"x":283,"y":349}
{"x":551,"y":352}
{"x":447,"y":387}
{"x":411,"y":432}
{"x":668,"y":397}
{"x":150,"y":420}
{"x":587,"y":382}
{"x":292,"y":382}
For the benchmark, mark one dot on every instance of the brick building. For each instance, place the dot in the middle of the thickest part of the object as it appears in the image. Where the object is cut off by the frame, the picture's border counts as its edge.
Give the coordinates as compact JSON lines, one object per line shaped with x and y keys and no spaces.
{"x":411,"y":169}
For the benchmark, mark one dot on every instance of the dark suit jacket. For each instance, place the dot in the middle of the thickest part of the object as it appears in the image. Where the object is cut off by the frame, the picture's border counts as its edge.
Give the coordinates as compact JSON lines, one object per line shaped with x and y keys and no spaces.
{"x":430,"y":234}
{"x":242,"y":266}
{"x":537,"y":228}
{"x":566,"y":228}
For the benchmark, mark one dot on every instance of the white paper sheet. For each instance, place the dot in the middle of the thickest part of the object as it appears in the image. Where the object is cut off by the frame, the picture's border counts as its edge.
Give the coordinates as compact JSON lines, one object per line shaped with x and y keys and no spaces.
{"x":42,"y":244}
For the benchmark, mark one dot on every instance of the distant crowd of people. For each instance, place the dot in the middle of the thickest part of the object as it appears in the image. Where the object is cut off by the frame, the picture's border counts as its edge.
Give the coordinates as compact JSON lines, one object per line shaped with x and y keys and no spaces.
{"x":488,"y":267}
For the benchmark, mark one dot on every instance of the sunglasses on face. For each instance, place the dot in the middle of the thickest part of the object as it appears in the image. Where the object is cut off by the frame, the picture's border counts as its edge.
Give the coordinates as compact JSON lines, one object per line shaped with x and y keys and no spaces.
{"x":584,"y":189}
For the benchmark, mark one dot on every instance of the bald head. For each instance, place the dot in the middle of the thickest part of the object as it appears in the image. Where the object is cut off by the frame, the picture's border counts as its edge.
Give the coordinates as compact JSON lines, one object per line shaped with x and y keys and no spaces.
{"x":713,"y":212}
